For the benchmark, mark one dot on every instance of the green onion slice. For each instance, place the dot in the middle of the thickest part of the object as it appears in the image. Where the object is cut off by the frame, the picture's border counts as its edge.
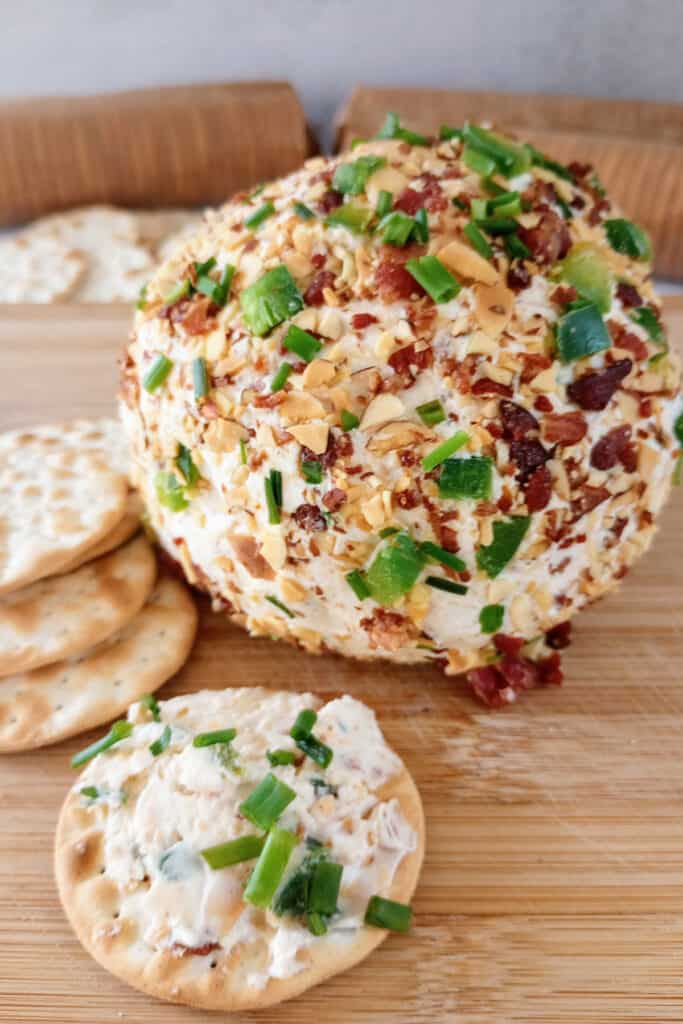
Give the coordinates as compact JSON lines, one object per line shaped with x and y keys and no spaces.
{"x":446,"y":133}
{"x":397,"y":227}
{"x":678,"y":428}
{"x":316,"y":923}
{"x":581,"y":332}
{"x":280,"y":757}
{"x":646,"y":318}
{"x":277,"y":603}
{"x":142,"y":297}
{"x":324,"y":890}
{"x":157,"y":373}
{"x":626,"y":237}
{"x":540,"y":160}
{"x":170,"y":492}
{"x":233,"y":852}
{"x":91,"y":792}
{"x":507,"y":537}
{"x":312,"y":471}
{"x":508,"y":157}
{"x":394,"y":569}
{"x":119,"y":731}
{"x":444,"y":450}
{"x":436,"y":280}
{"x":181,"y":291}
{"x":352,"y":178}
{"x":439,"y":554}
{"x":149,"y":701}
{"x":491,"y":618}
{"x":258,"y":216}
{"x":273,"y":490}
{"x":431,"y":413}
{"x":385,"y":201}
{"x":270,"y":867}
{"x":162,"y":742}
{"x":265,"y":804}
{"x":302,"y":211}
{"x":317,"y":751}
{"x":391,"y":129}
{"x":243,"y":451}
{"x":477,"y":240}
{"x":383,"y":913}
{"x":208,"y":739}
{"x":355,"y":218}
{"x":356,"y":581}
{"x":200,"y":378}
{"x":348,"y":420}
{"x":515,"y":247}
{"x":440,"y":583}
{"x":305,"y":721}
{"x":270,"y":300}
{"x":280,"y":378}
{"x":185,"y":464}
{"x":301,"y":343}
{"x":467,"y":478}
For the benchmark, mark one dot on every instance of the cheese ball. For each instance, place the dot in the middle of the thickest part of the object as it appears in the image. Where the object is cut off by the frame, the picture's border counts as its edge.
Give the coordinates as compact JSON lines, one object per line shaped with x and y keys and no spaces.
{"x":406,"y":398}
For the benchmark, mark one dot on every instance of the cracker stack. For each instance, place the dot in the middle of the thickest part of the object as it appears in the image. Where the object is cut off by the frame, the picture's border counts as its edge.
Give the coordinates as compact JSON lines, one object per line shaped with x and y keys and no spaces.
{"x":85,"y":625}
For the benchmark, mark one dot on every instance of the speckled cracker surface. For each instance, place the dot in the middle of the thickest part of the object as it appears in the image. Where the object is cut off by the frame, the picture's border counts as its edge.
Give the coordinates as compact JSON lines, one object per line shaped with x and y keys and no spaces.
{"x":63,"y":615}
{"x":56,"y":500}
{"x":146,"y":905}
{"x":38,"y":269}
{"x":128,"y":525}
{"x":89,"y":689}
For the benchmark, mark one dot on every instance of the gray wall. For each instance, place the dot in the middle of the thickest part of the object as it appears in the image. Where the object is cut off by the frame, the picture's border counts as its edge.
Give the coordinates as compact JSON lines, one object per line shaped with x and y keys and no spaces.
{"x":599,"y":47}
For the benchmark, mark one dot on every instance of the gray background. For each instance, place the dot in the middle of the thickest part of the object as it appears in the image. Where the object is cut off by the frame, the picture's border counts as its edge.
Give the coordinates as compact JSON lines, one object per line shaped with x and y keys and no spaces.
{"x":628,"y":48}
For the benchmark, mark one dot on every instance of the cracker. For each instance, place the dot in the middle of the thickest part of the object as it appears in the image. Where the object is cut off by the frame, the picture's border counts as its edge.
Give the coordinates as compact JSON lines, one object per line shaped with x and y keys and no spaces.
{"x":79,"y":693}
{"x":104,"y":436}
{"x":158,"y":227}
{"x":60,"y":616}
{"x":130,"y":937}
{"x":56,"y":500}
{"x":38,"y":269}
{"x":122,"y":532}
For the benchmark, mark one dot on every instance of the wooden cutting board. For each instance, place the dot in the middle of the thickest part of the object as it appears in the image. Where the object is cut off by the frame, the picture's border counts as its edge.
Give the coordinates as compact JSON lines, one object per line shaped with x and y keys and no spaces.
{"x":553,"y":885}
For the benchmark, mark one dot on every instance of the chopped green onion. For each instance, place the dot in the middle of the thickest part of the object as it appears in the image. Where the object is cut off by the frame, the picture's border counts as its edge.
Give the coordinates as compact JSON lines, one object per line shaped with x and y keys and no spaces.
{"x":157,"y":373}
{"x":477,"y":240}
{"x":626,"y":237}
{"x":305,"y":721}
{"x":312,"y":471}
{"x":280,"y":757}
{"x":236,"y":851}
{"x":270,"y":867}
{"x":324,"y":890}
{"x":678,"y":428}
{"x":646,"y":318}
{"x":208,"y":739}
{"x":586,"y":269}
{"x":181,"y":290}
{"x":317,"y":751}
{"x":91,"y":792}
{"x":439,"y":554}
{"x":497,"y":225}
{"x":270,"y":300}
{"x":478,"y":162}
{"x":301,"y":343}
{"x":278,"y":604}
{"x":316,"y":923}
{"x":185,"y":464}
{"x":540,"y":160}
{"x":493,"y":188}
{"x":504,"y":199}
{"x":515,"y":247}
{"x":352,"y":178}
{"x":581,"y":332}
{"x":355,"y":218}
{"x":677,"y":475}
{"x":397,"y":227}
{"x":466,"y":478}
{"x":200,"y":378}
{"x":348,"y":420}
{"x":142,"y":297}
{"x":421,"y":230}
{"x":444,"y":450}
{"x":391,"y":129}
{"x":388,"y":531}
{"x":385,"y":201}
{"x":149,"y":701}
{"x":258,"y":216}
{"x":507,"y":537}
{"x":479,"y":208}
{"x":222,"y":290}
{"x":280,"y":378}
{"x":446,"y":133}
{"x":508,"y":157}
{"x":243,"y":451}
{"x":119,"y":731}
{"x":383,"y":913}
{"x":436,"y":280}
{"x":491,"y":618}
{"x":303,"y":211}
{"x":170,"y":492}
{"x":356,"y":581}
{"x":431,"y":413}
{"x":459,"y":204}
{"x":204,"y":268}
{"x":161,"y":744}
{"x":395,"y":569}
{"x":273,"y":489}
{"x":439,"y":583}
{"x":265,"y":804}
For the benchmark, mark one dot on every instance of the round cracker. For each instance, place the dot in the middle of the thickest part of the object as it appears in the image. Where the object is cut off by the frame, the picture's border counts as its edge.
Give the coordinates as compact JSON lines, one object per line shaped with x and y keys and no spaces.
{"x":79,"y":693}
{"x":122,"y":532}
{"x":38,"y":269}
{"x":103,"y":436}
{"x":215,"y":980}
{"x":56,"y":500}
{"x":55,"y":618}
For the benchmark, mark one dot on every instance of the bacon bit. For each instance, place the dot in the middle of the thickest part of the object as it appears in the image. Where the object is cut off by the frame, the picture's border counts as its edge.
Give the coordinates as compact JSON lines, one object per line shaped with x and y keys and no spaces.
{"x":563,"y":295}
{"x":408,"y":458}
{"x":486,"y":387}
{"x":588,"y":499}
{"x":550,"y":669}
{"x":628,"y":295}
{"x":338,"y":446}
{"x":615,"y":447}
{"x":313,"y":296}
{"x":409,"y":201}
{"x":309,"y":517}
{"x":624,"y":338}
{"x":519,"y":673}
{"x":200,"y":317}
{"x":318,"y":259}
{"x":359,"y":321}
{"x":578,"y":170}
{"x":549,"y":241}
{"x":330,"y":200}
{"x":528,"y":456}
{"x":497,"y":685}
{"x":645,"y":408}
{"x":559,"y":636}
{"x":538,"y":489}
{"x":600,"y":208}
{"x":178,"y":949}
{"x":543,"y":404}
{"x":488,"y":685}
{"x":388,"y":630}
{"x":505,"y":644}
{"x":448,"y":539}
{"x":409,"y":498}
{"x":534,"y":363}
{"x":334,"y":499}
{"x":564,"y":428}
{"x":268,"y":401}
{"x":518,"y":277}
{"x":518,"y":422}
{"x":422,"y":315}
{"x":505,"y":501}
{"x":431,"y":197}
{"x":409,"y":363}
{"x":594,"y":390}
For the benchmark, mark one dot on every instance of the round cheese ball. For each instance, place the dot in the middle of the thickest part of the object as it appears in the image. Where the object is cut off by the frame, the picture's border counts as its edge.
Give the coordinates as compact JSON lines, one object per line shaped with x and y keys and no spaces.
{"x":405,"y":399}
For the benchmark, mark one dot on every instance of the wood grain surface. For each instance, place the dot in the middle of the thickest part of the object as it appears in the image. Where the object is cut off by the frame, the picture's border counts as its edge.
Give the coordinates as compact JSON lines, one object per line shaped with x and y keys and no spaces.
{"x":637,"y":146}
{"x":180,"y":146}
{"x":552,"y":891}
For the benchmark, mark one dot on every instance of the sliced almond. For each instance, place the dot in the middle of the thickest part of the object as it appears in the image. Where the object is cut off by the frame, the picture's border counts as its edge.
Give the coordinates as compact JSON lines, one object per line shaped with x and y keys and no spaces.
{"x":381,"y":409}
{"x":312,"y":435}
{"x":545,"y":381}
{"x":398,"y":434}
{"x":466,"y":262}
{"x":224,"y":435}
{"x":330,"y":324}
{"x":374,"y":511}
{"x":317,"y":373}
{"x":215,"y":345}
{"x":291,"y":590}
{"x":386,"y":179}
{"x":481,"y":344}
{"x":385,"y":345}
{"x":274,"y":550}
{"x":493,"y":305}
{"x":299,"y":407}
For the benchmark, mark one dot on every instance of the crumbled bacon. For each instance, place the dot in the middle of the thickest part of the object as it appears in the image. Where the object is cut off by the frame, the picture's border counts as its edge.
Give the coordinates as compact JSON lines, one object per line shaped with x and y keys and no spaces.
{"x":599,"y":209}
{"x":330,"y":200}
{"x":543,"y":404}
{"x":518,"y":277}
{"x":392,"y":280}
{"x":313,"y":296}
{"x":624,"y":338}
{"x":497,"y":685}
{"x":430,"y":196}
{"x":409,"y":201}
{"x":615,"y":447}
{"x":528,"y":456}
{"x":628,"y":295}
{"x":408,"y":362}
{"x":489,"y":686}
{"x":197,"y":315}
{"x":388,"y":630}
{"x":487,"y":387}
{"x":564,"y":428}
{"x":309,"y":517}
{"x":563,"y":295}
{"x":549,"y":241}
{"x":588,"y":499}
{"x":408,"y":499}
{"x":538,"y":489}
{"x":359,"y":321}
{"x":534,"y":363}
{"x":179,"y":949}
{"x":518,"y":422}
{"x":594,"y":390}
{"x":506,"y":644}
{"x":334,"y":499}
{"x":559,"y":636}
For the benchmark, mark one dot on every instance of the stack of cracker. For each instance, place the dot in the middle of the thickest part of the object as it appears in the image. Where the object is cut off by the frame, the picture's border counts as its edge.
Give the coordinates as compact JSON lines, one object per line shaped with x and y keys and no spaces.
{"x":86,"y":626}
